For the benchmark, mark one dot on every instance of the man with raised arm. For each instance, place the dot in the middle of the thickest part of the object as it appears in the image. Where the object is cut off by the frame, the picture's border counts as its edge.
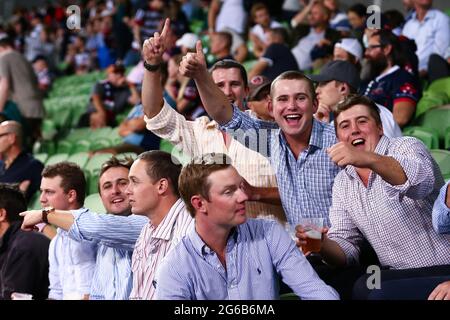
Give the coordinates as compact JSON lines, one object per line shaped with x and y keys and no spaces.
{"x":194,"y":138}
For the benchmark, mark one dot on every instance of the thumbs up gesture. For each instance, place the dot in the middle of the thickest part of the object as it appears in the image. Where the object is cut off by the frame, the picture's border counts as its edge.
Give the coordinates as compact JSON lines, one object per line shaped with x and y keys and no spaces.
{"x":193,"y":64}
{"x":154,"y":47}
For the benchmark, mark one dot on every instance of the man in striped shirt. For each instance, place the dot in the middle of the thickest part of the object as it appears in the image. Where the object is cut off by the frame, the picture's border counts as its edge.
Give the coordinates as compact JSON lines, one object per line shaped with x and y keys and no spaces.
{"x":226,"y":255}
{"x":194,"y":138}
{"x":152,"y":193}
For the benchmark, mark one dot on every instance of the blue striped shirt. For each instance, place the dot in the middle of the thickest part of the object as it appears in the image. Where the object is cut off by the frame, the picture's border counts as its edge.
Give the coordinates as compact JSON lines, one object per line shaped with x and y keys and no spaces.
{"x":305,"y":184}
{"x":116,"y":235}
{"x":441,"y":213}
{"x":257,"y":253}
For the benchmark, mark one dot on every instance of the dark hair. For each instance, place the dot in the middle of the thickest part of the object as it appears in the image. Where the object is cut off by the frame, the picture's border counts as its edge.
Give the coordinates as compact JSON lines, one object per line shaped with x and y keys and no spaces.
{"x":388,"y":38}
{"x":72,"y":178}
{"x":12,"y":200}
{"x":226,"y":37}
{"x":395,"y":18}
{"x":162,"y":165}
{"x":194,"y":176}
{"x":294,"y":75}
{"x":114,"y":162}
{"x":354,"y":99}
{"x":359,"y":9}
{"x":6,"y":41}
{"x":282,"y":33}
{"x":230,"y":64}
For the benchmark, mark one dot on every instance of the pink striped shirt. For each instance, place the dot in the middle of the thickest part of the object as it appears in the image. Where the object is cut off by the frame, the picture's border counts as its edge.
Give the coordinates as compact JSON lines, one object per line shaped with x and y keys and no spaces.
{"x":152,"y":246}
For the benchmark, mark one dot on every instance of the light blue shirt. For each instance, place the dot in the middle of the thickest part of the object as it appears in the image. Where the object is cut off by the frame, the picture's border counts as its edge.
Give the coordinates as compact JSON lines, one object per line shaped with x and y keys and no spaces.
{"x":71,"y":267}
{"x":257,"y":253}
{"x":305,"y":184}
{"x":441,"y":213}
{"x":116,"y":237}
{"x":432,"y":35}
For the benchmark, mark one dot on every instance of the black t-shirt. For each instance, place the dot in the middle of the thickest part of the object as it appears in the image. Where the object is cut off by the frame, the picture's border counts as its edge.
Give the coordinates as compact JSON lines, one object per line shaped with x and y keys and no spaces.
{"x":393,"y":87}
{"x":280,"y":59}
{"x":115,"y":99}
{"x":24,"y":167}
{"x":23,"y":263}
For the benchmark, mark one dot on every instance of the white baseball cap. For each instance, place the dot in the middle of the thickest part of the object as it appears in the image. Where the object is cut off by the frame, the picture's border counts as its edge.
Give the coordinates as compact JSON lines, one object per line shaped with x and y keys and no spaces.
{"x":188,"y":40}
{"x":351,"y":46}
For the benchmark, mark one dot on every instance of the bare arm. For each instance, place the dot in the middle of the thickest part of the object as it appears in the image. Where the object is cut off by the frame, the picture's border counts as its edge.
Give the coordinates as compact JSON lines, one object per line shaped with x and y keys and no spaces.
{"x":152,"y":90}
{"x":263,"y":194}
{"x":258,"y":68}
{"x":302,"y":15}
{"x":61,"y":218}
{"x":214,"y":100}
{"x":241,"y":53}
{"x":214,"y":10}
{"x":403,"y":112}
{"x":4,"y":88}
{"x":386,"y":167}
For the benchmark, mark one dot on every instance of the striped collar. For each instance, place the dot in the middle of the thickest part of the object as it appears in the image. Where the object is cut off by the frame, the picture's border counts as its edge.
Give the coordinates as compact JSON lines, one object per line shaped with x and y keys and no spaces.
{"x":165,"y":228}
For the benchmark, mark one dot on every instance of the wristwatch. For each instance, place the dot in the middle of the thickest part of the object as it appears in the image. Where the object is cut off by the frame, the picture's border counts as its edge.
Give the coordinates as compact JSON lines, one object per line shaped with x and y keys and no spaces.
{"x":151,"y":67}
{"x":45,"y":212}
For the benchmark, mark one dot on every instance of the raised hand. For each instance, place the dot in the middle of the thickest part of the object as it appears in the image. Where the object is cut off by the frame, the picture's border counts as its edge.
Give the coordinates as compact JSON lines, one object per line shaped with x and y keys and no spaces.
{"x":154,"y":47}
{"x":193,"y":64}
{"x":323,"y":113}
{"x":343,"y":153}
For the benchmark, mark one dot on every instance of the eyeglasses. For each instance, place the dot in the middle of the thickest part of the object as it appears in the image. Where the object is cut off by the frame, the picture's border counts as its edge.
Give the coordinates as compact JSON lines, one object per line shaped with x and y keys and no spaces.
{"x":374,"y":46}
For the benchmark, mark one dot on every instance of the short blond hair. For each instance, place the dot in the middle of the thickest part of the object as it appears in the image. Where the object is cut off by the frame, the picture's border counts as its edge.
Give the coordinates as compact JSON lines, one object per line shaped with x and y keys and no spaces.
{"x":194,"y":176}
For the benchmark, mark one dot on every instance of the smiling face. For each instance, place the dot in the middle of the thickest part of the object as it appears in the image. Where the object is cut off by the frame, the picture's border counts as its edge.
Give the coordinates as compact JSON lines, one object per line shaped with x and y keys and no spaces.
{"x":113,"y":184}
{"x":292,"y":107}
{"x":232,"y":85}
{"x":357,"y":126}
{"x":226,"y":204}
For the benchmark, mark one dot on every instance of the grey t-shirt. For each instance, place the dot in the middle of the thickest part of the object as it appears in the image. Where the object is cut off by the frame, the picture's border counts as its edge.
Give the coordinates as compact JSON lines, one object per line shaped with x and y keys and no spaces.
{"x":23,"y":84}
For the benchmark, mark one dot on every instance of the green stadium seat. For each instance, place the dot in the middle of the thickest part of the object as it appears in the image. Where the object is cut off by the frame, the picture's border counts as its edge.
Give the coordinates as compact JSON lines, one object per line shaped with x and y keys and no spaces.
{"x":45,"y":146}
{"x":82,"y":146}
{"x":436,"y":119}
{"x":48,"y":129}
{"x":94,"y":203}
{"x":80,"y":158}
{"x":64,"y":146}
{"x":95,"y":162}
{"x":34,"y":202}
{"x":447,"y":139}
{"x":166,"y":146}
{"x":132,"y":155}
{"x":101,"y":143}
{"x":42,"y":157}
{"x":440,"y":85}
{"x":428,"y":136}
{"x":442,"y":158}
{"x":59,"y":157}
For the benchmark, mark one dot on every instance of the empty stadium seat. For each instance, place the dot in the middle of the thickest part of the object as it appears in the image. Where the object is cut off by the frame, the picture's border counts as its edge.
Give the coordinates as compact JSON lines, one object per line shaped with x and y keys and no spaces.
{"x":442,"y":158}
{"x":94,"y":203}
{"x":80,"y":158}
{"x":428,"y":136}
{"x":59,"y":157}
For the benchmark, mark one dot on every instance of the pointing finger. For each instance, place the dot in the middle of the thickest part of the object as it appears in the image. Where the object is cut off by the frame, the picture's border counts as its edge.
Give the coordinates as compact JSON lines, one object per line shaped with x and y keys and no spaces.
{"x":166,"y":28}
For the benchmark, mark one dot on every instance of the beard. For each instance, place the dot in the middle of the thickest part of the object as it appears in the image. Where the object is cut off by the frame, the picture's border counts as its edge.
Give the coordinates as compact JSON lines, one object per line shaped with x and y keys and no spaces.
{"x":376,"y":67}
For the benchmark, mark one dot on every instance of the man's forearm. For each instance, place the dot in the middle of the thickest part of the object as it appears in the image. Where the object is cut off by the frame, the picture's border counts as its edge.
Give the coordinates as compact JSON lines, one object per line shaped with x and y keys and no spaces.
{"x":214,"y":100}
{"x":388,"y":169}
{"x":268,"y":195}
{"x":332,"y":253}
{"x":61,"y":218}
{"x":152,"y":93}
{"x":3,"y":93}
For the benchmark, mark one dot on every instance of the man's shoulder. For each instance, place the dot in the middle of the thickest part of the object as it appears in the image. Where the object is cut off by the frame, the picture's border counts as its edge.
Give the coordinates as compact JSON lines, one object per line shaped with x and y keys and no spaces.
{"x":29,"y":241}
